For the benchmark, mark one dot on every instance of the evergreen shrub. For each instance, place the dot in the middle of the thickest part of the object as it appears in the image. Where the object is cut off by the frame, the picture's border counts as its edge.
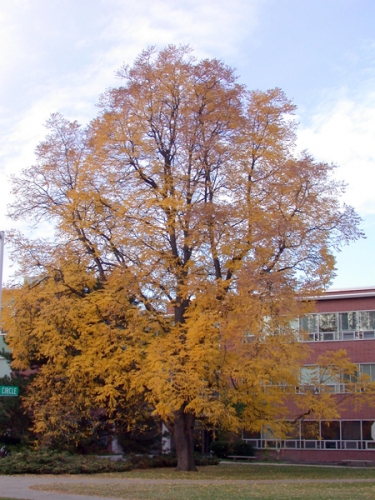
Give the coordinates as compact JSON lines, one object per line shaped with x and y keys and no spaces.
{"x":223,"y":448}
{"x":51,"y":462}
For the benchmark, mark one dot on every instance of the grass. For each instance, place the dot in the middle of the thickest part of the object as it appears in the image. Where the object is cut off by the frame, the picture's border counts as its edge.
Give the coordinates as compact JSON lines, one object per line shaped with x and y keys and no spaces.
{"x":310,"y":491}
{"x":170,"y":490}
{"x":251,"y":472}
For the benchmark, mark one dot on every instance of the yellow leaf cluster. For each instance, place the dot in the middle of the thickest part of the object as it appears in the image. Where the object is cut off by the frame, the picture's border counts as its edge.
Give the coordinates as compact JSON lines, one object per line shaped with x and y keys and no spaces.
{"x":186,"y":231}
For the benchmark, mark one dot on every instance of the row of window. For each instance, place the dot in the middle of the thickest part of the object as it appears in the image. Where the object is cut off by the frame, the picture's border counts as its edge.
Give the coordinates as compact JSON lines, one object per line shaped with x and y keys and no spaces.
{"x":314,"y":377}
{"x":353,"y":325}
{"x":312,"y":434}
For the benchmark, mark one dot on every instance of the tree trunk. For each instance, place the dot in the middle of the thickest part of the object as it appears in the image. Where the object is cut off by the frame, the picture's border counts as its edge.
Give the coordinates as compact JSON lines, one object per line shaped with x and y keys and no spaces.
{"x":183,"y":434}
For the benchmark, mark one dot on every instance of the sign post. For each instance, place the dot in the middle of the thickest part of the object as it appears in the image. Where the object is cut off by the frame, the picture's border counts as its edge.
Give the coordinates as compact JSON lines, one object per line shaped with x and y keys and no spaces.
{"x":8,"y":390}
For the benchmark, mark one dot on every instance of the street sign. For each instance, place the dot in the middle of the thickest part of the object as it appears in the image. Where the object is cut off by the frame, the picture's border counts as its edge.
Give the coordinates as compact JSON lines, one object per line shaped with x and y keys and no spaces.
{"x":8,"y":390}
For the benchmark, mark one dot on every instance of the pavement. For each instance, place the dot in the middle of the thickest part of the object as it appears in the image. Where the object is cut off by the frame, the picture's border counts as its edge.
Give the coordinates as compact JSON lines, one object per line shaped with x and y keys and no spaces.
{"x":20,"y":487}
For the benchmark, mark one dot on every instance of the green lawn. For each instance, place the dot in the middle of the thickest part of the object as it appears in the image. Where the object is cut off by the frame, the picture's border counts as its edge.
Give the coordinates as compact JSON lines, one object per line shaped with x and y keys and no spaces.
{"x":233,"y":491}
{"x":252,"y":472}
{"x":306,"y":491}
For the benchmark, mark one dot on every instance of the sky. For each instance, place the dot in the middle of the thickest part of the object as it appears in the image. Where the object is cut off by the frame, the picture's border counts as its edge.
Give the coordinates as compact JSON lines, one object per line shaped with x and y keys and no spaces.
{"x":60,"y":55}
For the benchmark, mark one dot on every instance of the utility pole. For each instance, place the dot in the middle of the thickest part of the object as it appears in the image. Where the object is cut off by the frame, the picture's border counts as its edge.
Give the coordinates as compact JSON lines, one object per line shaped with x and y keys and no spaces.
{"x":2,"y":236}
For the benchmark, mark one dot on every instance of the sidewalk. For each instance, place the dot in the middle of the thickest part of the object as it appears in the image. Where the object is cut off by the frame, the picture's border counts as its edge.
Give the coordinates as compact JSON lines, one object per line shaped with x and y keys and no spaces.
{"x":19,"y":486}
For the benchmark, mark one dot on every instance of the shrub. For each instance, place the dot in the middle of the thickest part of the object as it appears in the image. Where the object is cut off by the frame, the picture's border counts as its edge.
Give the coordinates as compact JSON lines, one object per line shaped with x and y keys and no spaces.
{"x":242,"y":448}
{"x":49,"y":462}
{"x":220,"y":448}
{"x":145,"y":438}
{"x":223,"y":448}
{"x":151,"y":462}
{"x":52,"y":462}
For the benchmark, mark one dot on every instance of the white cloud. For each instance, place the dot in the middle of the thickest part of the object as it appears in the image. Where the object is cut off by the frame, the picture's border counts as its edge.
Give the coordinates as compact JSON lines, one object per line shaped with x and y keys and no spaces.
{"x":206,"y":22}
{"x":59,"y":56}
{"x":10,"y":43}
{"x":342,"y":131}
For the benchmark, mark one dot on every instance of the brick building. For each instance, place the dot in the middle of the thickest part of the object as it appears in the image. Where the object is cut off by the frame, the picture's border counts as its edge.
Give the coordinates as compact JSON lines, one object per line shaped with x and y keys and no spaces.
{"x":344,"y":319}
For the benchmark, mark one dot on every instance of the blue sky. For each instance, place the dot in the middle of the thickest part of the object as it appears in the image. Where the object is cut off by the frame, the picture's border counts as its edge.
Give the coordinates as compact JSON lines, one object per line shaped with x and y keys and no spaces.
{"x":59,"y":55}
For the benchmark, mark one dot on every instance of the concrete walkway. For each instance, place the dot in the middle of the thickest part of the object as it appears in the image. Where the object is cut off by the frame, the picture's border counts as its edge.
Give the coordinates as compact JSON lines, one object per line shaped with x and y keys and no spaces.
{"x":19,"y":486}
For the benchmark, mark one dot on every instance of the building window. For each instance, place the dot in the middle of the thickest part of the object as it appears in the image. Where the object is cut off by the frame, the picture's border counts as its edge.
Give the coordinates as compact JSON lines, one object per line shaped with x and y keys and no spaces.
{"x":309,"y":323}
{"x":351,"y":430}
{"x":351,"y":325}
{"x":309,"y":379}
{"x":328,"y":322}
{"x":314,"y":434}
{"x":366,"y":430}
{"x":367,"y":319}
{"x":309,"y":375}
{"x":251,"y":435}
{"x":310,"y":430}
{"x":368,"y":369}
{"x":348,"y":321}
{"x":330,"y":431}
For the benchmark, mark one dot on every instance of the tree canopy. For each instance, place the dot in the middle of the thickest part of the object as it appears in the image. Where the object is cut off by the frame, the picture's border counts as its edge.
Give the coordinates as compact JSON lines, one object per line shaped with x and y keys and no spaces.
{"x":187,"y":231}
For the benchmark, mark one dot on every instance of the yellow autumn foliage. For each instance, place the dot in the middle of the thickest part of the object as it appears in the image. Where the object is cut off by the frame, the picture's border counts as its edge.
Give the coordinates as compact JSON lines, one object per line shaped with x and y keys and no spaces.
{"x":187,"y":231}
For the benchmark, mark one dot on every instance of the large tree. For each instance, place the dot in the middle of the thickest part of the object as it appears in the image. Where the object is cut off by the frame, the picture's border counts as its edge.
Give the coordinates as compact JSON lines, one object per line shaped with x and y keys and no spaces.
{"x":187,"y":231}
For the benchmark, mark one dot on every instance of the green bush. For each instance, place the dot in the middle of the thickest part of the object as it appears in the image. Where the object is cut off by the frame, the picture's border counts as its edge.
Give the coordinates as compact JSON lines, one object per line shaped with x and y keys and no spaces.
{"x":242,"y":448}
{"x":223,"y":448}
{"x":151,"y":462}
{"x":145,"y":438}
{"x":49,"y":462}
{"x":52,"y":462}
{"x":220,"y":448}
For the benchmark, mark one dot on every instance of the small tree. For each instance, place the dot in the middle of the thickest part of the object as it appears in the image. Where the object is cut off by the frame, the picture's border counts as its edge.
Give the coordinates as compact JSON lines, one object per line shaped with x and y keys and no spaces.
{"x":187,"y":230}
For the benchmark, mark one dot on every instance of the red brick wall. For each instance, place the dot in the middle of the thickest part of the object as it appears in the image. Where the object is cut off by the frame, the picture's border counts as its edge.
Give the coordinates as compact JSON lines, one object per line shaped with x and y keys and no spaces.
{"x":358,"y":351}
{"x":346,"y":403}
{"x":349,"y":304}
